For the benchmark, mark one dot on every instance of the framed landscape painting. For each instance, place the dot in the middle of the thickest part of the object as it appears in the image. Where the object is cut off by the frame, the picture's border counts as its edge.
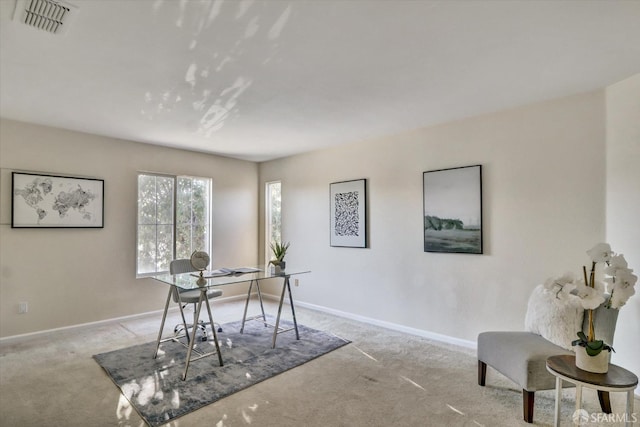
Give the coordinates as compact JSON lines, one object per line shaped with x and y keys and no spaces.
{"x":348,"y":200}
{"x":51,"y":201}
{"x":453,"y":210}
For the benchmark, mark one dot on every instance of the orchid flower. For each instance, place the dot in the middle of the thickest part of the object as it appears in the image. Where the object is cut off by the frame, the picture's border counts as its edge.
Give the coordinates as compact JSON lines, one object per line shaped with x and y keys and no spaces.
{"x":600,"y":252}
{"x":620,"y":281}
{"x":621,"y":295}
{"x":561,"y":286}
{"x":616,"y":262}
{"x":620,"y":284}
{"x":590,"y":298}
{"x":622,"y":288}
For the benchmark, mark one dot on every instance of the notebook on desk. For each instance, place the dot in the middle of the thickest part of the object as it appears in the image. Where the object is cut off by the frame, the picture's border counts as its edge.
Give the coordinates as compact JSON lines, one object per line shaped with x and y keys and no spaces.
{"x":226,"y":272}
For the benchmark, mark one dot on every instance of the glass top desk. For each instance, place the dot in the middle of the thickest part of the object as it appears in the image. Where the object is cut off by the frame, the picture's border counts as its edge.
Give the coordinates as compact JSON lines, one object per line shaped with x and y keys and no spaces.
{"x":190,"y":281}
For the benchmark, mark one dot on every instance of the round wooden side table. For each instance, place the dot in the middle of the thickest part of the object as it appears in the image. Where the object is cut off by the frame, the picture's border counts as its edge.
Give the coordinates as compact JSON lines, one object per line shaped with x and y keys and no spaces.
{"x":617,"y":379}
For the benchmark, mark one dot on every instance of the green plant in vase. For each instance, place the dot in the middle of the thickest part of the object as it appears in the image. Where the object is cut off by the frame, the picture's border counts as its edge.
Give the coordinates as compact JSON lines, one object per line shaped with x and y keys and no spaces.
{"x":279,"y":250}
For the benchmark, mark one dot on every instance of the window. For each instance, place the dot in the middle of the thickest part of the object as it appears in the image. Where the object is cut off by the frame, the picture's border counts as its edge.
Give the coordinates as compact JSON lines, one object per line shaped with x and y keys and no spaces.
{"x":273,"y":215}
{"x":174,"y":219}
{"x":193,"y":216}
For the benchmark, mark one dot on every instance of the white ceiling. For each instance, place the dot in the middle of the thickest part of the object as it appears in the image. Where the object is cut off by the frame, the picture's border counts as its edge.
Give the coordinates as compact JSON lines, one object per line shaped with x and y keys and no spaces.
{"x":259,"y":80}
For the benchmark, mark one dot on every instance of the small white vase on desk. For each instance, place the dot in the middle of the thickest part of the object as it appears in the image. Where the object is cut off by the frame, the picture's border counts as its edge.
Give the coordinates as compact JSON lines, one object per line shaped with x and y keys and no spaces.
{"x":598,"y":364}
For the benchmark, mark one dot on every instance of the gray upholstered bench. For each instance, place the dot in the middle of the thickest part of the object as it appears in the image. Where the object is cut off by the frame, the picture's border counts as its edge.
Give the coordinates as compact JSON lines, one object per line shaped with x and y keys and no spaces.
{"x":521,"y":357}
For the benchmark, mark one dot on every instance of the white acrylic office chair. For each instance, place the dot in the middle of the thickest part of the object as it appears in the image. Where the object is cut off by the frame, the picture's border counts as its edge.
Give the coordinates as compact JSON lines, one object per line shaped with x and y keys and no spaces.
{"x":190,"y":296}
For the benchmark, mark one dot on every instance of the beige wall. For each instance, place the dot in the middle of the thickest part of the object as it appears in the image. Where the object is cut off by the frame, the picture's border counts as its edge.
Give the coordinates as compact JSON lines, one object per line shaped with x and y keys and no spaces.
{"x":75,"y":276}
{"x":556,"y":176}
{"x":543,"y":204}
{"x":623,"y":205}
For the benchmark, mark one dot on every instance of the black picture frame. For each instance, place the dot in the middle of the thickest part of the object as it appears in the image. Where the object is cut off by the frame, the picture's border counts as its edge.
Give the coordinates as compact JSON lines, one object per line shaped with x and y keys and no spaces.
{"x":348,"y":213}
{"x":452,"y":202}
{"x":56,"y":201}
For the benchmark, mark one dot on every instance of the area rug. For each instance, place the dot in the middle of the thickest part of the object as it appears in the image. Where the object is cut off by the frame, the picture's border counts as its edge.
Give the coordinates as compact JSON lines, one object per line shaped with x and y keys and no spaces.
{"x":154,"y":387}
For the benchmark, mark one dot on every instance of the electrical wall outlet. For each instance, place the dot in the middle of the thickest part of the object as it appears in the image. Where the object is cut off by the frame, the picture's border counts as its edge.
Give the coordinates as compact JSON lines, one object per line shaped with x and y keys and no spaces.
{"x":23,"y":307}
{"x":295,"y":282}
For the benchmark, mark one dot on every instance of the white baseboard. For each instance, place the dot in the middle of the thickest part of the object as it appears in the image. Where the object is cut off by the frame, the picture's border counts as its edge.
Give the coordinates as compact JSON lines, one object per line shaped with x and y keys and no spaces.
{"x":371,"y":321}
{"x":79,"y":326}
{"x":394,"y":326}
{"x":388,"y":325}
{"x":102,"y":322}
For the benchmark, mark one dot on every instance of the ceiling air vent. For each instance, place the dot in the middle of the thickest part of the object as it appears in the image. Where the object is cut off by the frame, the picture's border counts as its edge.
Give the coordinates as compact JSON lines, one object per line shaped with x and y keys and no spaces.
{"x":52,"y":16}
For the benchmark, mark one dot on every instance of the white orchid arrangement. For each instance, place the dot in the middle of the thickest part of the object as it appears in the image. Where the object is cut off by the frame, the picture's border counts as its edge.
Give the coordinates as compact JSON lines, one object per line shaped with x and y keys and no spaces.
{"x":619,"y":283}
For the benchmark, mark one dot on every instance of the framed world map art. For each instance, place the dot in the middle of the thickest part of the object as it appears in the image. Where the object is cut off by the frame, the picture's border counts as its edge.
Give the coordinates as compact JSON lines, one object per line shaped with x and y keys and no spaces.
{"x":51,"y":201}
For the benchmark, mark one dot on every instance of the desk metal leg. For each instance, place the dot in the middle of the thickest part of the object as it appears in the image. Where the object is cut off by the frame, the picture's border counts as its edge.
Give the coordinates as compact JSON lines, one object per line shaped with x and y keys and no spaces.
{"x":558,"y":399}
{"x":213,"y":328}
{"x":275,"y":330}
{"x":264,"y":317}
{"x":293,"y":311}
{"x":192,"y":339}
{"x":285,"y":287}
{"x":164,"y":317}
{"x":184,"y":321}
{"x":246,"y":306}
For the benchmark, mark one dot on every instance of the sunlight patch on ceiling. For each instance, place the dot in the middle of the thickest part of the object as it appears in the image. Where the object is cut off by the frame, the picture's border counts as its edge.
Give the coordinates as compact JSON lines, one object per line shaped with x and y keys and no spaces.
{"x":264,"y":79}
{"x":276,"y":29}
{"x":213,"y":86}
{"x":217,"y":113}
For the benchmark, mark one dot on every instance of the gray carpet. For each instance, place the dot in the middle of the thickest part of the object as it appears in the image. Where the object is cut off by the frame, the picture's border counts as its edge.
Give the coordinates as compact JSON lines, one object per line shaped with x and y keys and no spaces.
{"x":154,"y":386}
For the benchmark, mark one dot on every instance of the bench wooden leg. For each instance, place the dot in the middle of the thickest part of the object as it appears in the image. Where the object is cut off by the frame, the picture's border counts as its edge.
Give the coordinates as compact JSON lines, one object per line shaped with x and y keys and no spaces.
{"x":605,"y":403}
{"x":528,"y":397}
{"x":482,"y":373}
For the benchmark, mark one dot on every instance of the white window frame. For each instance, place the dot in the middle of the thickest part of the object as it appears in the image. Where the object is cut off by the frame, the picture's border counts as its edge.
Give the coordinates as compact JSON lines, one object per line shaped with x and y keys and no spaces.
{"x":268,"y":202}
{"x":174,"y":223}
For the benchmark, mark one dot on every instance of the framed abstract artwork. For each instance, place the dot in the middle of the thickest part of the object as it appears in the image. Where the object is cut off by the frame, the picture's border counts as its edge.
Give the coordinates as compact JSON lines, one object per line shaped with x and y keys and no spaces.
{"x":348,"y":201}
{"x":52,"y":201}
{"x":453,"y":210}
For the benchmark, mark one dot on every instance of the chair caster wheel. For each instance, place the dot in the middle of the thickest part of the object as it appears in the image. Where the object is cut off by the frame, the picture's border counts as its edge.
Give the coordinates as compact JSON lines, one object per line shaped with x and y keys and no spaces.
{"x":219,"y":329}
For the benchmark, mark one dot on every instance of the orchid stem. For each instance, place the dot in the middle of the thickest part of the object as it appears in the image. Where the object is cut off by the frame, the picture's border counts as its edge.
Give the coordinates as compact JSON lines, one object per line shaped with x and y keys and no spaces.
{"x":592,"y":332}
{"x":591,"y":283}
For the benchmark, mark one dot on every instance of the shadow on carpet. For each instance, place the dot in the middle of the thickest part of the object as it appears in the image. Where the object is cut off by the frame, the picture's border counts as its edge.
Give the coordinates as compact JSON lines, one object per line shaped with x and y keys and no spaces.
{"x":154,"y":386}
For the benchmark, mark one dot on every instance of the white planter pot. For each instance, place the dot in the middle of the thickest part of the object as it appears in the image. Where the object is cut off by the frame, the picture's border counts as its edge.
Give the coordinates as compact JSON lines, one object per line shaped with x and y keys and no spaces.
{"x":597,"y":364}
